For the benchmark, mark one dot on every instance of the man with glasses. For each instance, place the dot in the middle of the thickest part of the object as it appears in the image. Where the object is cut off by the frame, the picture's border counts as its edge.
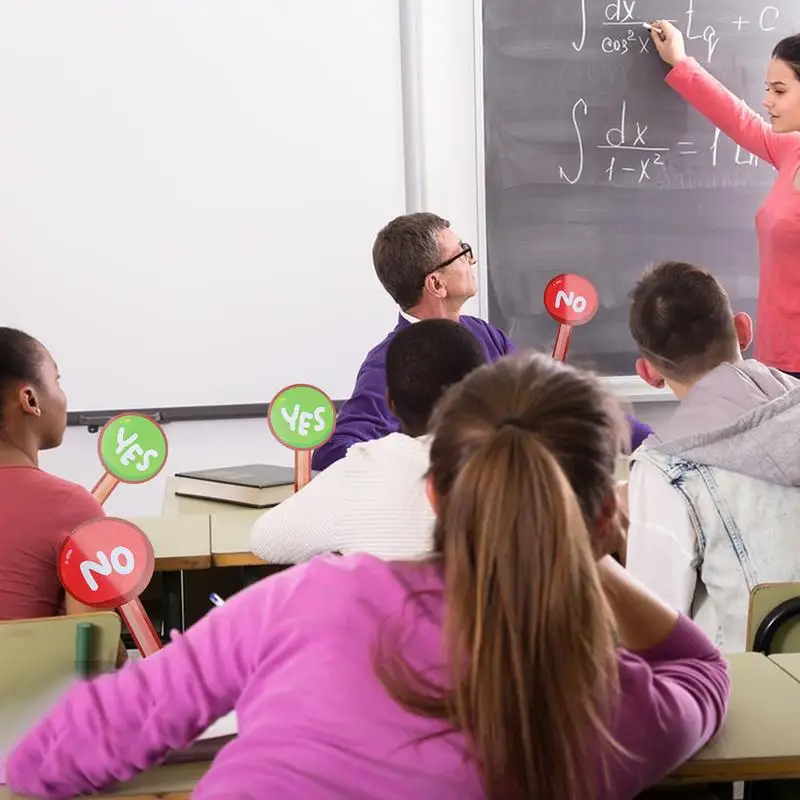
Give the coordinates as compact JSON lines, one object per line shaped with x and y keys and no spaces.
{"x":429,"y":272}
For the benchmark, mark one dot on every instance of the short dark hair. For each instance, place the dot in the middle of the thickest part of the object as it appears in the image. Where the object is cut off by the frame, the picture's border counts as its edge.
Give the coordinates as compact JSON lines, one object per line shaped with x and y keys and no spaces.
{"x":788,"y":50}
{"x":20,"y":360}
{"x":422,"y":361}
{"x":404,"y":252}
{"x":681,"y":320}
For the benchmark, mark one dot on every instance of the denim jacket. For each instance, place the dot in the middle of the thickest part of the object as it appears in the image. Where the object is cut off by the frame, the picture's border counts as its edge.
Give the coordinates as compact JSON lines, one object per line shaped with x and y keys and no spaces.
{"x":732,"y":452}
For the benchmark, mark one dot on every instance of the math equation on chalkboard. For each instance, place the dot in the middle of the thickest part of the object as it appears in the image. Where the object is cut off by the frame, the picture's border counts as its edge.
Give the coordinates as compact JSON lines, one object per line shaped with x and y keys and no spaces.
{"x":624,"y":32}
{"x":636,"y":153}
{"x":632,"y":150}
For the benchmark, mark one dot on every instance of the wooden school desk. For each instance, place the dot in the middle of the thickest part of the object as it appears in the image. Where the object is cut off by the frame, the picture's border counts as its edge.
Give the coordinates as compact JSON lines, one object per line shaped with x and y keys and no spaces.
{"x":230,"y":526}
{"x":789,"y":663}
{"x":179,"y":543}
{"x":759,"y":740}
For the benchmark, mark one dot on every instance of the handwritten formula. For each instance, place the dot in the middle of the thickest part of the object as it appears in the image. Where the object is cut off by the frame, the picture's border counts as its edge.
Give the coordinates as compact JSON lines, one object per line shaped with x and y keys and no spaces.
{"x":631,"y":151}
{"x":635,"y":156}
{"x":624,"y":32}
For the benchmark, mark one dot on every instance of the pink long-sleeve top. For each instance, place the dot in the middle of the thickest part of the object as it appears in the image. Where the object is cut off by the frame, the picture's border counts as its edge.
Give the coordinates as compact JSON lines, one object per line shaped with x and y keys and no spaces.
{"x":777,"y":221}
{"x":293,"y":655}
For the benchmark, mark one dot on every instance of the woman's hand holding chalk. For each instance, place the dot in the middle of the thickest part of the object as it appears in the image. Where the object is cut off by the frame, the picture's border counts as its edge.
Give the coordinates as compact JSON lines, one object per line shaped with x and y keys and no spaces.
{"x":132,"y":449}
{"x":668,"y":41}
{"x":570,"y":300}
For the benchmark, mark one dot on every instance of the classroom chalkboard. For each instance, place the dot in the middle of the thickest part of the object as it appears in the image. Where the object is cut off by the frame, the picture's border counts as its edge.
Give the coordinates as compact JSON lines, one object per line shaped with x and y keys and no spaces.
{"x":594,"y":165}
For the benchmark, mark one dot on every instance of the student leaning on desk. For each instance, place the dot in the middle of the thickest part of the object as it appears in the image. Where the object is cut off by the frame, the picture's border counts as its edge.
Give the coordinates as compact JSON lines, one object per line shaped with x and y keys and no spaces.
{"x":559,"y":676}
{"x":715,"y":492}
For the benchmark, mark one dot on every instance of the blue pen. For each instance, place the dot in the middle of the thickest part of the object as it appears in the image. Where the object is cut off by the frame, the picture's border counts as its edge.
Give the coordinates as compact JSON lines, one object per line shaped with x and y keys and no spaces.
{"x":216,"y":600}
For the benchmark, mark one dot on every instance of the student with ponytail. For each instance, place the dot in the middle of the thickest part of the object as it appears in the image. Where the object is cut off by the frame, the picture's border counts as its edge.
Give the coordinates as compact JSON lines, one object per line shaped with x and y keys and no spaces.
{"x":518,"y":661}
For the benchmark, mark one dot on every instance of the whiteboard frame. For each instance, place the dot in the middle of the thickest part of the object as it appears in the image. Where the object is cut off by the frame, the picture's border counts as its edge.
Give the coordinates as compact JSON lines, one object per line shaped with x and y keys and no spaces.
{"x":480,"y":161}
{"x":410,"y":14}
{"x":630,"y":388}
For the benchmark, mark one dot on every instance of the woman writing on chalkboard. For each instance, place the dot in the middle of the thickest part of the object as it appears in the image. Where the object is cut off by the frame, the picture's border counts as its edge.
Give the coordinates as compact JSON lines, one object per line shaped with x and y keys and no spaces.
{"x":777,"y":142}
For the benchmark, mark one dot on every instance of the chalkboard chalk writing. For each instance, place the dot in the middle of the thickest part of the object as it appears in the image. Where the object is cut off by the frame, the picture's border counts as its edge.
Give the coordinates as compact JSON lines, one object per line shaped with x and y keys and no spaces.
{"x":635,"y":154}
{"x":594,"y":165}
{"x":635,"y":39}
{"x":579,"y":104}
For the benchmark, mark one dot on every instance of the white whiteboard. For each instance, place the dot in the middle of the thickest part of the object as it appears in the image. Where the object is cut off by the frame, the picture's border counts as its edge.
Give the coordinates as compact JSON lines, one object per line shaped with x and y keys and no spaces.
{"x":189,"y":191}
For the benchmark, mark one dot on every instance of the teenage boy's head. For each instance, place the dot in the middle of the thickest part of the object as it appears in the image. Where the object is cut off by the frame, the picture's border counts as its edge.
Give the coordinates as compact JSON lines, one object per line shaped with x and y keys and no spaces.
{"x":683,"y":325}
{"x":422,"y":361}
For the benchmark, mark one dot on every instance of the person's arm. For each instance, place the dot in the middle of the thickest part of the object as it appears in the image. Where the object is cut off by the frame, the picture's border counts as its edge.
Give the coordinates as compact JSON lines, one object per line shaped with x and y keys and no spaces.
{"x":365,"y":416}
{"x":506,"y":346}
{"x":662,"y":546}
{"x":716,"y":103}
{"x":303,"y":525}
{"x":110,"y":728}
{"x":674,"y":685}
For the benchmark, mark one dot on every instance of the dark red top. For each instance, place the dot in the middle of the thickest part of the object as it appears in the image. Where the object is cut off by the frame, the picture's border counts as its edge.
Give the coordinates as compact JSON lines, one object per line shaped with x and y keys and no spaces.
{"x":37,"y":510}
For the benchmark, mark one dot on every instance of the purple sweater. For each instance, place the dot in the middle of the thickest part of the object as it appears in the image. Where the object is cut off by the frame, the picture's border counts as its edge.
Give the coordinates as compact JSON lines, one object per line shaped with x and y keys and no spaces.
{"x":293,"y":655}
{"x":366,"y":416}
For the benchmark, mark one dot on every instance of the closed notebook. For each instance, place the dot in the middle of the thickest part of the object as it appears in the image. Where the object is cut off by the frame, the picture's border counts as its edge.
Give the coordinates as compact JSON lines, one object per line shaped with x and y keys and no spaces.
{"x":253,"y":485}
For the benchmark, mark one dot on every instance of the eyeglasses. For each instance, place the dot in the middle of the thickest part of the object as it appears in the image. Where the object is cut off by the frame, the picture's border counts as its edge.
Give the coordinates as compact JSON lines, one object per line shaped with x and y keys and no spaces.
{"x":466,"y":250}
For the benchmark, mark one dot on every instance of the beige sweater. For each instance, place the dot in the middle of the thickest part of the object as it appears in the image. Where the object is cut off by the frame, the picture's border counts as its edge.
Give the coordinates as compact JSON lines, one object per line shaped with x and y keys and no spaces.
{"x":371,"y":501}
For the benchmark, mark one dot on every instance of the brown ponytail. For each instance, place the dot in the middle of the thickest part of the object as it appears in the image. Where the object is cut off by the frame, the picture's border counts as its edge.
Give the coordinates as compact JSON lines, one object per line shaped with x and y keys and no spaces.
{"x":530,"y":638}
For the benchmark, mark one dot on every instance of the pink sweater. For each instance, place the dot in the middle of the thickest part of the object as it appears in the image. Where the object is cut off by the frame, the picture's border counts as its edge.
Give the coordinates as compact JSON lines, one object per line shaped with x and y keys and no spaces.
{"x":292,"y":654}
{"x":778,"y":219}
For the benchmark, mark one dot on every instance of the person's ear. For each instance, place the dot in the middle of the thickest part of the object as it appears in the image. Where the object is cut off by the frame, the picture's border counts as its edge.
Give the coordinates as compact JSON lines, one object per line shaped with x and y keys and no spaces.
{"x":609,"y":535}
{"x":390,"y":403}
{"x":649,"y":374}
{"x":744,"y":329}
{"x":436,"y":284}
{"x":29,"y":401}
{"x":432,"y":494}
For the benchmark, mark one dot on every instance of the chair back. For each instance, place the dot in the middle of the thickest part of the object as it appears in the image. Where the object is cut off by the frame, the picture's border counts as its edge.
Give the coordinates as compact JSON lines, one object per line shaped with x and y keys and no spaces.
{"x":40,"y":659}
{"x":773,"y":619}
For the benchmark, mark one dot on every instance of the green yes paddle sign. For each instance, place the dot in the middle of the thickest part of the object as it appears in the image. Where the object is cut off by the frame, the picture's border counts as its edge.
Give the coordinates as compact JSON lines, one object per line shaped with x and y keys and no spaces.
{"x":302,"y":417}
{"x":132,"y":449}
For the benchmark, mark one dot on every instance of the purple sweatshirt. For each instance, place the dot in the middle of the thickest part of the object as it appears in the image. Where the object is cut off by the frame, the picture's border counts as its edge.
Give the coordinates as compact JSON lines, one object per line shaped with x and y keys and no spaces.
{"x":366,"y":416}
{"x":293,"y":655}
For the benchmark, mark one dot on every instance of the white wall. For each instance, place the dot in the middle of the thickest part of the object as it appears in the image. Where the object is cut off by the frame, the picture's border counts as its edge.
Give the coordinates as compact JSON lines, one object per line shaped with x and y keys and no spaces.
{"x":197,"y":179}
{"x":449,"y":154}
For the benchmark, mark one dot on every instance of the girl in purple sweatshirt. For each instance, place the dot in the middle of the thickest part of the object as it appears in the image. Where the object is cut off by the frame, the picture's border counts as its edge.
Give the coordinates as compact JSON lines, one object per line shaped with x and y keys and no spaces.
{"x":519,"y":661}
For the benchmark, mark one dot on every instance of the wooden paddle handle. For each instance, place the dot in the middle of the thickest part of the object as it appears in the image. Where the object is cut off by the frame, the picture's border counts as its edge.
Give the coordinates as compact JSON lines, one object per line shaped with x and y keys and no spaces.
{"x":103,"y":488}
{"x":302,"y":468}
